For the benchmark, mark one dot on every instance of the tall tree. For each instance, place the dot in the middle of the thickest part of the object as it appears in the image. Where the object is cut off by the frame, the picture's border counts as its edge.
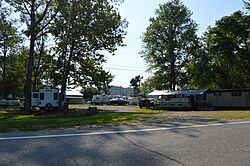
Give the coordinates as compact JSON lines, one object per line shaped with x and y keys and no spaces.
{"x":225,"y":60}
{"x":82,"y":30}
{"x":15,"y":75}
{"x":168,"y":42}
{"x":8,"y":42}
{"x":247,"y":4}
{"x":135,"y":83}
{"x":37,"y":15}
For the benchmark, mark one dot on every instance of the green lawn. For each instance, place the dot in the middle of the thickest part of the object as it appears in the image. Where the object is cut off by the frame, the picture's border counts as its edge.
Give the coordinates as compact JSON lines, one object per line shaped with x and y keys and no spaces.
{"x":219,"y":114}
{"x":9,"y":120}
{"x":225,"y":114}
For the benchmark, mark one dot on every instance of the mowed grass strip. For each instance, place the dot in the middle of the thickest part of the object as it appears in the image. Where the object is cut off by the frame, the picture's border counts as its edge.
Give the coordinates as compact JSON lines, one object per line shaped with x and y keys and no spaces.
{"x":10,"y":121}
{"x":225,"y":114}
{"x":218,"y":114}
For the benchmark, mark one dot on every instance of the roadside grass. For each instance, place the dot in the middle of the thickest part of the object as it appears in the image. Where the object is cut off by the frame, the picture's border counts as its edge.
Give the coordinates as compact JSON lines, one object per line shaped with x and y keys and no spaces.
{"x":10,"y":121}
{"x":225,"y":114}
{"x":218,"y":114}
{"x":152,"y":111}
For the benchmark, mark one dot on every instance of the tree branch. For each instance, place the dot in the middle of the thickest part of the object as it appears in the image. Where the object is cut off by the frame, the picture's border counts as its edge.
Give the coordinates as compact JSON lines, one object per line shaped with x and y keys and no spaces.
{"x":26,"y":8}
{"x":44,"y":12}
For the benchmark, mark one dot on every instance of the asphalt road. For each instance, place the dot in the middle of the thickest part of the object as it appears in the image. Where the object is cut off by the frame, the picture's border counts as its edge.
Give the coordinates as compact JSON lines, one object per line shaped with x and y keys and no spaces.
{"x":226,"y":144}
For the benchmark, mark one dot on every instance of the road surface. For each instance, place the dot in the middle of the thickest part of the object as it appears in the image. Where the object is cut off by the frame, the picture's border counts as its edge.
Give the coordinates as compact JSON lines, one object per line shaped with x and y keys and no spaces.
{"x":219,"y":144}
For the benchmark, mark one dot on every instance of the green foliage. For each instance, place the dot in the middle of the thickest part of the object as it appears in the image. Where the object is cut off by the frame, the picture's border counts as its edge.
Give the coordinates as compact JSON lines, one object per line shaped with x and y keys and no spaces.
{"x":247,"y":4}
{"x":10,"y":121}
{"x":88,"y":93}
{"x":151,"y":84}
{"x":135,"y":83}
{"x":118,"y":90}
{"x":8,"y":50}
{"x":15,"y":77}
{"x":168,"y":42}
{"x":82,"y":30}
{"x":225,"y":60}
{"x":37,"y":16}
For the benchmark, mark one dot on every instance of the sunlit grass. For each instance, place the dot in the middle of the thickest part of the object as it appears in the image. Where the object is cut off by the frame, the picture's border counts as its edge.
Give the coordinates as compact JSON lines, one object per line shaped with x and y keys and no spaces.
{"x":10,"y":121}
{"x":146,"y":110}
{"x":218,"y":114}
{"x":226,"y":115}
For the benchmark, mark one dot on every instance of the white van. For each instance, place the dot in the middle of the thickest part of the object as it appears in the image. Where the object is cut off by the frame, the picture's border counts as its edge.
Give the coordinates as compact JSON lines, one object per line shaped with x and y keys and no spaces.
{"x":46,"y":98}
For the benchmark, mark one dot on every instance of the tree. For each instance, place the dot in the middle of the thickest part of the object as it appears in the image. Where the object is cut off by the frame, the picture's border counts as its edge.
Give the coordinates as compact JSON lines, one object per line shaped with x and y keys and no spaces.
{"x":37,"y":15}
{"x":135,"y":83}
{"x":82,"y":30}
{"x":225,"y":63}
{"x":15,"y":75}
{"x":168,"y":42}
{"x":247,"y":4}
{"x":8,"y":42}
{"x":88,"y":93}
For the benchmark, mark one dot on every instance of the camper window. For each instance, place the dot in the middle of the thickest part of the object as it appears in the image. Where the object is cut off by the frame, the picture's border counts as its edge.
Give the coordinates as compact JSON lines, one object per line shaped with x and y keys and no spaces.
{"x":35,"y":95}
{"x":41,"y":96}
{"x":55,"y":96}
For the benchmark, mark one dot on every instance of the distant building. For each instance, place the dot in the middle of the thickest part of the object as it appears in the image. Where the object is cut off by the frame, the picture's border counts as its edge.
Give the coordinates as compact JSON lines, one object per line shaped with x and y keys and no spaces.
{"x":74,"y":97}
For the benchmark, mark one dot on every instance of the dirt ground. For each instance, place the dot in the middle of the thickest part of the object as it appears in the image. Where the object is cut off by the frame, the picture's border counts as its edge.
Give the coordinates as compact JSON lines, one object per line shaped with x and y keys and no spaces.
{"x":109,"y":108}
{"x":159,"y":119}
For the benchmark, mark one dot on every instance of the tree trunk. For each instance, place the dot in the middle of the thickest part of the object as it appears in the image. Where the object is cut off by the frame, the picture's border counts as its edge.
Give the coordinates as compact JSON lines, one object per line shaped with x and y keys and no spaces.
{"x":65,"y":77}
{"x":4,"y":69}
{"x":172,"y":75}
{"x":37,"y":69}
{"x":28,"y":82}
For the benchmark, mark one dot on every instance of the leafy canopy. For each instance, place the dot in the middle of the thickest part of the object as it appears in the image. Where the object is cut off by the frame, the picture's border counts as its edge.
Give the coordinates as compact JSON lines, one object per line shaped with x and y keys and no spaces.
{"x":168,"y":42}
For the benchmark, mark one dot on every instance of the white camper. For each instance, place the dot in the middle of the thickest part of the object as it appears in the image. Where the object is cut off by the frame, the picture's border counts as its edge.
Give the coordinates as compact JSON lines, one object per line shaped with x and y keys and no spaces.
{"x":46,"y":98}
{"x":100,"y":99}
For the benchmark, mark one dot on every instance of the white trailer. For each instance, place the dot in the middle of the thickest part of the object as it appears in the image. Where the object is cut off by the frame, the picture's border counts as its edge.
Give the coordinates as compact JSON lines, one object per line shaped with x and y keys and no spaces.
{"x":100,"y":99}
{"x":46,"y":98}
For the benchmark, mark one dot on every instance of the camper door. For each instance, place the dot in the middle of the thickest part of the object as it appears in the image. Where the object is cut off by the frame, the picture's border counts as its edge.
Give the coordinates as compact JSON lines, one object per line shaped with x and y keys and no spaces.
{"x":35,"y":99}
{"x":48,"y":98}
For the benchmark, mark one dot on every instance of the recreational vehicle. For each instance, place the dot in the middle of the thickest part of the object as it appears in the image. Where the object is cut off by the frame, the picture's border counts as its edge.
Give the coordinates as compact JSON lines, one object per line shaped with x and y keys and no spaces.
{"x":184,"y":99}
{"x":46,"y":98}
{"x":204,"y":99}
{"x":100,"y":99}
{"x":229,"y":99}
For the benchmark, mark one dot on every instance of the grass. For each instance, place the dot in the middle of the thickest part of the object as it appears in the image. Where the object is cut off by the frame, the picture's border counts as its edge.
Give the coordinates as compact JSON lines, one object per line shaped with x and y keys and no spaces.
{"x":9,"y":120}
{"x":219,"y":114}
{"x":226,"y":114}
{"x":145,"y":110}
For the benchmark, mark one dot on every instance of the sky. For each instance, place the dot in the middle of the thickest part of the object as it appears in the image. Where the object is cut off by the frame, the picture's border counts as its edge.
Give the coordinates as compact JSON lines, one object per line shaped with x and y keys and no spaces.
{"x":127,"y":62}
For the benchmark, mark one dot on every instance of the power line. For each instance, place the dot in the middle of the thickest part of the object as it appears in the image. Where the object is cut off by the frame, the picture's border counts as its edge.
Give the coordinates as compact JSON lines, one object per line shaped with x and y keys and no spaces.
{"x":135,"y":67}
{"x":111,"y":68}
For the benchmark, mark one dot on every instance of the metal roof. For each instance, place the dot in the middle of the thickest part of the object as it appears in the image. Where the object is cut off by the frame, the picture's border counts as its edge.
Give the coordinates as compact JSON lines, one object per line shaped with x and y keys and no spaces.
{"x":73,"y":93}
{"x":178,"y":92}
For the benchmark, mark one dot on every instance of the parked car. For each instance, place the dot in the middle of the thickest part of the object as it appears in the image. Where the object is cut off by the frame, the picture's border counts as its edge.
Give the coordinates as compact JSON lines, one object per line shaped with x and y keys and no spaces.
{"x":118,"y":101}
{"x":146,"y":103}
